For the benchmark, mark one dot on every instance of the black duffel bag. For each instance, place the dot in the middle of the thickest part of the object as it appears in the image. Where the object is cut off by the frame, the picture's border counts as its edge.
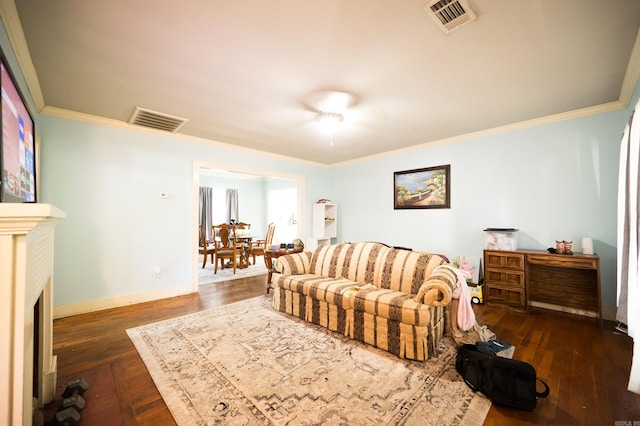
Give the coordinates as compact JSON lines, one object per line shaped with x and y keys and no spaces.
{"x":504,"y":381}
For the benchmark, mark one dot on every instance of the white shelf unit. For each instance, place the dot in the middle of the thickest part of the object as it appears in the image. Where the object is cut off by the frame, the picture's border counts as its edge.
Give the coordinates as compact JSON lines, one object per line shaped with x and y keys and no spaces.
{"x":325,"y":225}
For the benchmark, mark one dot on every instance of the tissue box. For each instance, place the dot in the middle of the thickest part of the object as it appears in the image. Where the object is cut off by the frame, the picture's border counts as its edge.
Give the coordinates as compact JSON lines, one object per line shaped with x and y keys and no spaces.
{"x":501,"y":239}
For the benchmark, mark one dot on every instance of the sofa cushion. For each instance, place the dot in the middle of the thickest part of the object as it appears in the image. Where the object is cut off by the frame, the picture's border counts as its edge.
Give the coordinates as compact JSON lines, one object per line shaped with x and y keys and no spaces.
{"x":394,"y":305}
{"x":296,"y":263}
{"x":337,"y":291}
{"x":406,"y":271}
{"x":359,"y":262}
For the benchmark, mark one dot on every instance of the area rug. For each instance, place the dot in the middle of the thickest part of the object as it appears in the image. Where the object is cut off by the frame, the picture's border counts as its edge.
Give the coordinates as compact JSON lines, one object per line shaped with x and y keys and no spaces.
{"x":246,"y":364}
{"x":206,"y":275}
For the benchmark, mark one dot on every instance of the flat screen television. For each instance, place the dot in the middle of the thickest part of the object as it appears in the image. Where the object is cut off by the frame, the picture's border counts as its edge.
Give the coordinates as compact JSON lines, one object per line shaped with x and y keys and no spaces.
{"x":17,"y":157}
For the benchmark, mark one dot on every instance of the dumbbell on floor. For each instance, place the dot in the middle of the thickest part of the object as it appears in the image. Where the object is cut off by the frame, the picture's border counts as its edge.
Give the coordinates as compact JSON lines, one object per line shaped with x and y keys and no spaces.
{"x":73,"y":403}
{"x":67,"y":417}
{"x":72,"y":395}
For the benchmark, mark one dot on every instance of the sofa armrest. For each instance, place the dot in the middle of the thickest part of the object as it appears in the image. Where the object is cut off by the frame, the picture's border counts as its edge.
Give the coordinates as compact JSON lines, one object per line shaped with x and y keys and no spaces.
{"x":437,"y":290}
{"x":294,"y":264}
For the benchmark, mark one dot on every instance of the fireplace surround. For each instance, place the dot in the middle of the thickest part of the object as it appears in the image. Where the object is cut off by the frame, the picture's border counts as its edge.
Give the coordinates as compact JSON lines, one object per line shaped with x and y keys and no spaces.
{"x":26,"y":284}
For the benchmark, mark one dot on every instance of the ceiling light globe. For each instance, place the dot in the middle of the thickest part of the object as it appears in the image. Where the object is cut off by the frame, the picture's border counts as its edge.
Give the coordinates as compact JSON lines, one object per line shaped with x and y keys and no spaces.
{"x":329,"y":122}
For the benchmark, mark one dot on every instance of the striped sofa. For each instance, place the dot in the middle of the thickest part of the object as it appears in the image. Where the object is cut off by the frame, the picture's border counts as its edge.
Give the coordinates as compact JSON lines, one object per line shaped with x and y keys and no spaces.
{"x":392,"y":299}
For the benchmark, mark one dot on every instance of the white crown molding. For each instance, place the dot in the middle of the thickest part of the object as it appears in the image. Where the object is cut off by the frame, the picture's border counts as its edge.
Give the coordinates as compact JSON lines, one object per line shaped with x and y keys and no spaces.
{"x":110,"y":122}
{"x":564,"y":116}
{"x":632,"y":74}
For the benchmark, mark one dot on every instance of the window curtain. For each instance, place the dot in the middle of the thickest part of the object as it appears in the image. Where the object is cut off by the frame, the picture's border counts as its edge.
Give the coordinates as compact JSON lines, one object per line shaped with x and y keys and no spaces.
{"x":206,"y":206}
{"x":628,"y":288}
{"x":232,"y":206}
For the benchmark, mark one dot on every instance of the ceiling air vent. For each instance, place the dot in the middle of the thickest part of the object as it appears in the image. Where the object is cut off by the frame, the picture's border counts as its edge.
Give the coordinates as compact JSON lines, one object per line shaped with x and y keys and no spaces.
{"x":156,"y":120}
{"x":450,"y":14}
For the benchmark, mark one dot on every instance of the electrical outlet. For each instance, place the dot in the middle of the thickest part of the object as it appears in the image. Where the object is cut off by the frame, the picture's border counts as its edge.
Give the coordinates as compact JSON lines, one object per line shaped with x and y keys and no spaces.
{"x":156,"y":272}
{"x":164,"y":195}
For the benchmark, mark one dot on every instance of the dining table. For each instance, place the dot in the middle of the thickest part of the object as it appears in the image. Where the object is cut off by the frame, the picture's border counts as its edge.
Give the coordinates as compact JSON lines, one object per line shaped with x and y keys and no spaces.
{"x":243,"y":240}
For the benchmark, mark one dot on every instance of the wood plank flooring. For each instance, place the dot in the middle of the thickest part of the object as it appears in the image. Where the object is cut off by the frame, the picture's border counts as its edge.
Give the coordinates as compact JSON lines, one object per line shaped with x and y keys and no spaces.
{"x":587,"y":367}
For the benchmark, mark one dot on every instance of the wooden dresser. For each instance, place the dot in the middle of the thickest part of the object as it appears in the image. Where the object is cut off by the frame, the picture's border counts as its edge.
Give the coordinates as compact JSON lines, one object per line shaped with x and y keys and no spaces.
{"x":504,"y":279}
{"x":520,"y":278}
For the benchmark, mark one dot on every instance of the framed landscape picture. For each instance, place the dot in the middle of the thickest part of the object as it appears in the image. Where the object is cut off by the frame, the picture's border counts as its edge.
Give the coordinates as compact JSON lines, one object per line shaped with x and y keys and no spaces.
{"x":428,"y":188}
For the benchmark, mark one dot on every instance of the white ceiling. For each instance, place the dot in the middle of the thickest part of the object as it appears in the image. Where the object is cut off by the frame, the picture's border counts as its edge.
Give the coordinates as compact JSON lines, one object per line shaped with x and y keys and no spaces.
{"x":247,"y":72}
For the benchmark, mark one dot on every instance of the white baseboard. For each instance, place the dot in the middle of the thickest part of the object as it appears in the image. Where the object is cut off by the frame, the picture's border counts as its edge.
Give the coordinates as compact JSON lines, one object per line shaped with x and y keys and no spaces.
{"x":607,"y":312}
{"x":49,"y":382}
{"x":566,"y":309}
{"x":62,"y":311}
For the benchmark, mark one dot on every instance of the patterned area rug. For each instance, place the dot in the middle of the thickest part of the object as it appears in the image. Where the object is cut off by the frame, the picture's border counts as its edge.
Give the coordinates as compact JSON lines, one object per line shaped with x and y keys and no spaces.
{"x":206,"y":275}
{"x":245,"y":364}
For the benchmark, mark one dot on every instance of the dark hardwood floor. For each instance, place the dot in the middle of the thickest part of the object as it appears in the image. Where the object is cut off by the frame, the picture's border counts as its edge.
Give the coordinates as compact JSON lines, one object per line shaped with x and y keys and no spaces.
{"x":587,"y":367}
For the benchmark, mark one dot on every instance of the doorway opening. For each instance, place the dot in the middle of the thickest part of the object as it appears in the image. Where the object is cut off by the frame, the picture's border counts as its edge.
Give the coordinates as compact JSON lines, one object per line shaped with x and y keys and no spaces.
{"x":268,"y":197}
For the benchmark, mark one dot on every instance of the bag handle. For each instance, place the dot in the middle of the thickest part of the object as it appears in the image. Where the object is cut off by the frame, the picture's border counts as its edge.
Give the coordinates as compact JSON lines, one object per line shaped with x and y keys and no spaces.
{"x":471,"y":385}
{"x":545,"y":393}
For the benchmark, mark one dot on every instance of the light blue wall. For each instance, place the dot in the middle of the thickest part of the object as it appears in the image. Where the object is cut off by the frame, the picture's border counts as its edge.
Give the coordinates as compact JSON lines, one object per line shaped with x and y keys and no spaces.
{"x":108,"y":181}
{"x":552,"y":182}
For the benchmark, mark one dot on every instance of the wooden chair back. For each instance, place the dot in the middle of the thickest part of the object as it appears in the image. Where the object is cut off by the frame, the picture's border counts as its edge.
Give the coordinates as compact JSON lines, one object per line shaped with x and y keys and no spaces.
{"x":224,"y":235}
{"x":271,"y":230}
{"x":259,"y":247}
{"x":226,"y":246}
{"x":204,"y":247}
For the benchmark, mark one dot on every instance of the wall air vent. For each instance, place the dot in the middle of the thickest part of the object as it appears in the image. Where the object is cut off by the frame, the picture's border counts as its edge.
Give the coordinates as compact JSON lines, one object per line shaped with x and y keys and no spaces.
{"x":450,"y":14}
{"x":156,"y":120}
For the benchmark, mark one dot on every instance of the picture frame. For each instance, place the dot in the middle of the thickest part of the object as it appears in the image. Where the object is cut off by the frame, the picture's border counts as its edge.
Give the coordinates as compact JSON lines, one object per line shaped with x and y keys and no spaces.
{"x":426,"y":188}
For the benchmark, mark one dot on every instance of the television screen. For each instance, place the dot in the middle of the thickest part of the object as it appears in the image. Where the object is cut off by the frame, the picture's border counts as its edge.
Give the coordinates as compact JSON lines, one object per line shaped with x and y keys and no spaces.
{"x":17,"y":156}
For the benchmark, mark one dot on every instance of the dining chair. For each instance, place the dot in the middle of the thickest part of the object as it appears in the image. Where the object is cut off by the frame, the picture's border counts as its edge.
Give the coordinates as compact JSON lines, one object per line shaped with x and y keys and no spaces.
{"x":226,"y":246}
{"x":260,"y":246}
{"x":243,"y":225}
{"x":205,"y":247}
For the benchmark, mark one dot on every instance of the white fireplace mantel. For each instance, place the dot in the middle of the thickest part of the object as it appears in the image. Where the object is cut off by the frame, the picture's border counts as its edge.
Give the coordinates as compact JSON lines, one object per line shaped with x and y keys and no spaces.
{"x":26,"y":277}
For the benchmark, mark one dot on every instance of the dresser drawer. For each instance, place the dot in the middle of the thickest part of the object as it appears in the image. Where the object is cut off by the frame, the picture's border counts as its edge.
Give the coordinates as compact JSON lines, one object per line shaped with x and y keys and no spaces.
{"x":504,"y":277}
{"x":567,"y":261}
{"x":505,"y":297}
{"x":506,"y":259}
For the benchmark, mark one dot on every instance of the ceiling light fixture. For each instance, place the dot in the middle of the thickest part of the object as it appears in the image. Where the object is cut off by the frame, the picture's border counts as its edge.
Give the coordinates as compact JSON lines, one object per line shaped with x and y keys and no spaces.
{"x":329,"y":122}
